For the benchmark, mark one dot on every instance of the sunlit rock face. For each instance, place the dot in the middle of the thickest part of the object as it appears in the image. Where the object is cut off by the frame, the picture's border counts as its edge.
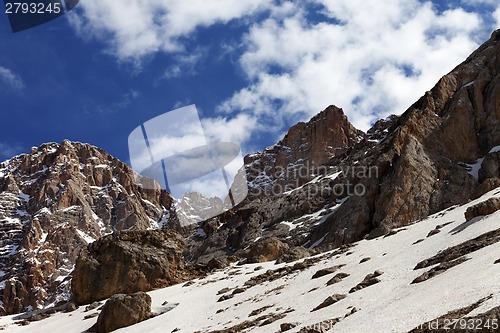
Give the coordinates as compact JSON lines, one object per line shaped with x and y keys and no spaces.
{"x":54,"y":201}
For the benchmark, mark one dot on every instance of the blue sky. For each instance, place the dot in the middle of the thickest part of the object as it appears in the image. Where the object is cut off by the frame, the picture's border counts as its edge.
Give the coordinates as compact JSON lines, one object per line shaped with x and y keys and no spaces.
{"x":252,"y":67}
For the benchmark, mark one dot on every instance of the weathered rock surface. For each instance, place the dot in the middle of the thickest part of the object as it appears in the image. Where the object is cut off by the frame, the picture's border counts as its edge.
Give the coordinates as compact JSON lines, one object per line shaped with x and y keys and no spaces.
{"x":305,"y":147}
{"x":121,"y":311}
{"x":265,"y":250}
{"x":483,"y":208}
{"x":53,"y":202}
{"x":369,"y":280}
{"x":337,"y":278}
{"x":326,"y":271}
{"x":329,"y":301}
{"x":127,"y":262}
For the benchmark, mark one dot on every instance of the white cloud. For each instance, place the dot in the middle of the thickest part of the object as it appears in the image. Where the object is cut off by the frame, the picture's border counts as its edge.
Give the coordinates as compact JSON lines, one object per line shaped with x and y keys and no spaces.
{"x":138,"y":28}
{"x":236,"y":130}
{"x":496,"y":16}
{"x":377,"y":61}
{"x":11,"y":79}
{"x":184,"y":65}
{"x":371,"y":58}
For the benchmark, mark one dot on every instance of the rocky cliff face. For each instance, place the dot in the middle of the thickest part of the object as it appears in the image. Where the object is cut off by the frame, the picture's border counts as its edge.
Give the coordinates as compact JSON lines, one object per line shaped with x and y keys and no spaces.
{"x":294,"y":160}
{"x":432,"y":156}
{"x":441,"y":152}
{"x":54,"y":201}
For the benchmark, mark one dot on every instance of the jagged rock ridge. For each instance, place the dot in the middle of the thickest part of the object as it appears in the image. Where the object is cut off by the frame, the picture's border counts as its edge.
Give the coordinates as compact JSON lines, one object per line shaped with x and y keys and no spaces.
{"x":292,"y":161}
{"x":54,"y":201}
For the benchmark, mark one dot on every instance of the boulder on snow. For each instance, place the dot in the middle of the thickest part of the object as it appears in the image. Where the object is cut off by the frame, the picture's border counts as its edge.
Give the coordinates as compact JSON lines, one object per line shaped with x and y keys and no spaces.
{"x":127,"y":262}
{"x":121,"y":311}
{"x":272,"y":248}
{"x":483,"y":208}
{"x":268,"y":249}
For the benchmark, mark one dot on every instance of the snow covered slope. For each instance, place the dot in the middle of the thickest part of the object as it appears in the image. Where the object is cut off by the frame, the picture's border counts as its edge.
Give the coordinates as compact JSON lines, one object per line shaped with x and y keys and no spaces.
{"x":266,"y":297}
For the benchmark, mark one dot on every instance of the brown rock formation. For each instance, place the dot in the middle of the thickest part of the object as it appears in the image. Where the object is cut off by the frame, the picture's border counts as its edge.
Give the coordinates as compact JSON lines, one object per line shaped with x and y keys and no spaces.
{"x":53,"y":202}
{"x":268,"y":249}
{"x":422,"y":162}
{"x":306,"y":146}
{"x":127,"y":262}
{"x":122,"y":311}
{"x":483,"y":208}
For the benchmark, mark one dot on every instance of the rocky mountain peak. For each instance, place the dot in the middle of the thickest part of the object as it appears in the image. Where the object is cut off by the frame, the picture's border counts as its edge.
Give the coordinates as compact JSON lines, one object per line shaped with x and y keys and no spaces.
{"x":55,"y":200}
{"x":306,"y":145}
{"x":321,"y":138}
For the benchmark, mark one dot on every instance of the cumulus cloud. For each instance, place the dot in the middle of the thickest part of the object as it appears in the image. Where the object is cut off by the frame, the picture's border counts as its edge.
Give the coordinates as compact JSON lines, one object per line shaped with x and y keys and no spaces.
{"x":138,"y":28}
{"x":236,"y":130}
{"x":496,"y":16}
{"x":371,"y":58}
{"x":11,"y":79}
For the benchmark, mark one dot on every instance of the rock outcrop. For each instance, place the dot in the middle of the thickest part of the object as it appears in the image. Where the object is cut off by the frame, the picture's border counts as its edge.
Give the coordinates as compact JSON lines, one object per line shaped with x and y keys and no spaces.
{"x":121,"y":311}
{"x":483,"y":208}
{"x":265,"y":250}
{"x":127,"y":262}
{"x":295,"y":159}
{"x":53,"y":202}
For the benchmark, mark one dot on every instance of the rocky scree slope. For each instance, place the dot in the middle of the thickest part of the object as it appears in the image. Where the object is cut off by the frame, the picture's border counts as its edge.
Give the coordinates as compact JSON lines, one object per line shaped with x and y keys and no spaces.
{"x":53,"y":202}
{"x":442,"y":151}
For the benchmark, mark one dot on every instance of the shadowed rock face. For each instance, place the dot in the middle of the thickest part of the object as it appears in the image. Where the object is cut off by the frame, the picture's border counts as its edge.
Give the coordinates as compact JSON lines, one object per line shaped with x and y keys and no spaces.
{"x":54,"y":201}
{"x":127,"y":262}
